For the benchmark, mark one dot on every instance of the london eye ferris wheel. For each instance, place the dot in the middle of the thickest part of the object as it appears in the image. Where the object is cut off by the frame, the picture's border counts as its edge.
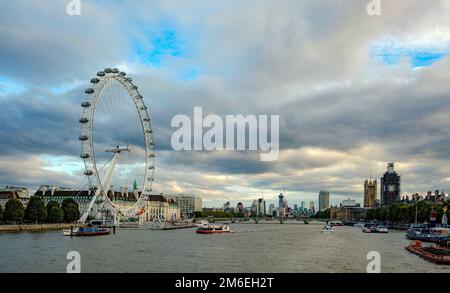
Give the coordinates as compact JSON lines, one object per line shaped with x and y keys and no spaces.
{"x":117,"y":144}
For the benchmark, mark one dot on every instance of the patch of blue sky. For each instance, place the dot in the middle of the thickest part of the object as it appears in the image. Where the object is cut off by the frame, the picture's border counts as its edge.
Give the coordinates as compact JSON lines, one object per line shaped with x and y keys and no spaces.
{"x":159,"y":46}
{"x":421,"y":59}
{"x":418,"y":57}
{"x":9,"y":87}
{"x":65,"y":87}
{"x":62,"y":164}
{"x":163,"y":44}
{"x":189,"y":73}
{"x":42,"y":98}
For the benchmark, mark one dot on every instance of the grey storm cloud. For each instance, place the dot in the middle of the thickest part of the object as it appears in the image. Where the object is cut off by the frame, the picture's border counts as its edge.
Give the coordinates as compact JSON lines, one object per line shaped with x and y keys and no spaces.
{"x":38,"y":125}
{"x":342,"y":112}
{"x":387,"y":111}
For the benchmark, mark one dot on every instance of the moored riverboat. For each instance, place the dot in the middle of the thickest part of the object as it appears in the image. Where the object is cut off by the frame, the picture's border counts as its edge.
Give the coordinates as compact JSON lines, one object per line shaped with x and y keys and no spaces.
{"x":425,"y":234}
{"x":86,"y":231}
{"x":436,"y":254}
{"x":336,"y":223}
{"x":359,"y":225}
{"x":213,"y":229}
{"x":380,"y":229}
{"x":68,"y":232}
{"x":368,"y":228}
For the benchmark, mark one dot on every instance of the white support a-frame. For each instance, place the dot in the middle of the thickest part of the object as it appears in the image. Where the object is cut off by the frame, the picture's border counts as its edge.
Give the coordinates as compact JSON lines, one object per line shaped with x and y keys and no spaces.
{"x":105,"y":183}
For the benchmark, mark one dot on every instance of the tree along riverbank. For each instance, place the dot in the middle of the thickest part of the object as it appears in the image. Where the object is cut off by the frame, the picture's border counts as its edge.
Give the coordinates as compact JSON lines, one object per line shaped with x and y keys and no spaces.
{"x":37,"y":212}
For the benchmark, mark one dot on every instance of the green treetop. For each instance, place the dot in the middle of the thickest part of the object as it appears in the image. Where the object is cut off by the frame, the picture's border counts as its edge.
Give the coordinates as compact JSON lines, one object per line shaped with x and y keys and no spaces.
{"x":14,"y":211}
{"x":36,"y":211}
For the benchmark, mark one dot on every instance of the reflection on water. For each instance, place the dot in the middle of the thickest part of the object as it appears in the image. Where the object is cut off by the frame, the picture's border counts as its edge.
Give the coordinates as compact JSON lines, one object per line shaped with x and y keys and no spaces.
{"x":291,"y":247}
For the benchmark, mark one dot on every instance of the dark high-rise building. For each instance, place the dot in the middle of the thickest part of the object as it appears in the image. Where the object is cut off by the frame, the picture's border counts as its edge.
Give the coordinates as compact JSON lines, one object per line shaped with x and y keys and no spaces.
{"x":390,"y":186}
{"x":261,"y":207}
{"x":324,"y":200}
{"x":240,"y":207}
{"x":281,"y":201}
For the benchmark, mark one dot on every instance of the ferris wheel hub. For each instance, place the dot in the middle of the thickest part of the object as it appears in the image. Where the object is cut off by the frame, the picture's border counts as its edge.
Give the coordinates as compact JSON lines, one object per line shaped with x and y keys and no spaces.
{"x":119,"y":149}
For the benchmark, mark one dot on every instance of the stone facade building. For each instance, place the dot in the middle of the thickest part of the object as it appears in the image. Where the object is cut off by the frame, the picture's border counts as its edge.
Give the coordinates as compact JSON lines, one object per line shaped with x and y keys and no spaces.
{"x":370,"y":193}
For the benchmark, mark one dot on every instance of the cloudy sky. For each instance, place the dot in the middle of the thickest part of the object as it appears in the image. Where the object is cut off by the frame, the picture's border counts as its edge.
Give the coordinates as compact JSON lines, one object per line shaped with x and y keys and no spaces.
{"x":353,"y":91}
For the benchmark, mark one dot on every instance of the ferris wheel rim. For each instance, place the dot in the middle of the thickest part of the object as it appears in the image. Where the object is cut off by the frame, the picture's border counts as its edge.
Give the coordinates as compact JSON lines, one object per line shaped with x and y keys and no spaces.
{"x":93,"y":96}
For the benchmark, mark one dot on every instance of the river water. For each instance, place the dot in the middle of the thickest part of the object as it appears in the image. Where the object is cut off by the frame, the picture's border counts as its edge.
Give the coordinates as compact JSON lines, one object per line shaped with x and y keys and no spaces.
{"x":291,"y":247}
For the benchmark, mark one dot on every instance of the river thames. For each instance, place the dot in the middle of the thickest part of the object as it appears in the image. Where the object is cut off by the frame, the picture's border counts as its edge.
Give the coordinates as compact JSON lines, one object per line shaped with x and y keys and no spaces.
{"x":269,"y":248}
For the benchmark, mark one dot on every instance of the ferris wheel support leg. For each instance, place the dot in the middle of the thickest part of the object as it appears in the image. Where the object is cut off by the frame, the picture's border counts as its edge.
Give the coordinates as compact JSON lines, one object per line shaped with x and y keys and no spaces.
{"x":100,"y":191}
{"x":108,"y":177}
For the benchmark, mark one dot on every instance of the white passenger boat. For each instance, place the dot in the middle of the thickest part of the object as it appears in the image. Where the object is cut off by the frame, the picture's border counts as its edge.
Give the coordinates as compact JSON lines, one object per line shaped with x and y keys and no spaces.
{"x":327,"y":229}
{"x":213,"y":229}
{"x":202,"y":223}
{"x":368,"y":228}
{"x":359,"y":225}
{"x":336,"y":223}
{"x":381,"y":229}
{"x":67,"y":232}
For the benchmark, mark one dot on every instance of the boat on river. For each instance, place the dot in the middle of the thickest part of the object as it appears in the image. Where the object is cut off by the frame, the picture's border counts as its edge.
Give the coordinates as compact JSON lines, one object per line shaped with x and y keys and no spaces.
{"x":68,"y":232}
{"x":436,"y":254}
{"x":202,"y":223}
{"x":368,"y":228}
{"x":336,"y":223}
{"x":425,"y":234}
{"x":86,"y":231}
{"x":380,"y":229}
{"x":327,"y":229}
{"x":213,"y":229}
{"x":358,"y":225}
